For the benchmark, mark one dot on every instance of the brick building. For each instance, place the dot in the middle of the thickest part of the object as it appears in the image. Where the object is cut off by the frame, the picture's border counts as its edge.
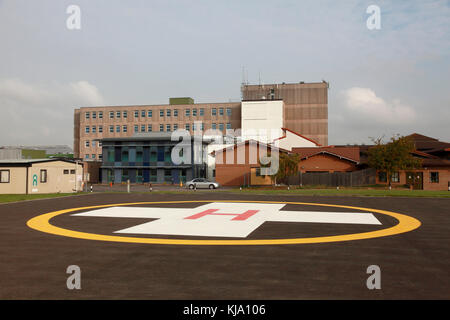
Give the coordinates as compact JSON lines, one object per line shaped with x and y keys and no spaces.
{"x":305,"y":110}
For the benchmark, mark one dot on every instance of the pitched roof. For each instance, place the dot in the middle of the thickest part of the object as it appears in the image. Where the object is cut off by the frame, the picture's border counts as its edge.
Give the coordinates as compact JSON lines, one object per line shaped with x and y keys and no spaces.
{"x":297,"y":134}
{"x":247,"y":142}
{"x":350,"y":153}
{"x":424,"y":143}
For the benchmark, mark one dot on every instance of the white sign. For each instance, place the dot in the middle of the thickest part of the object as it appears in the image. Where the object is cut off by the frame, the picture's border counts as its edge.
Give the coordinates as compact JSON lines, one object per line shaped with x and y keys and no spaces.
{"x":221,"y":219}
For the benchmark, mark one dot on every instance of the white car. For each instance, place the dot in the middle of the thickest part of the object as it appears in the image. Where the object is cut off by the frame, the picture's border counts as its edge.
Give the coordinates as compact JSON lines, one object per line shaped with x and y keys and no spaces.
{"x":201,"y":183}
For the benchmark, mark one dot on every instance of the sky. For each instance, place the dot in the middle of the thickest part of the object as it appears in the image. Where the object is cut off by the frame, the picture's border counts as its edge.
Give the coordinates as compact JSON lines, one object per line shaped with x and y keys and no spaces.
{"x":386,"y":81}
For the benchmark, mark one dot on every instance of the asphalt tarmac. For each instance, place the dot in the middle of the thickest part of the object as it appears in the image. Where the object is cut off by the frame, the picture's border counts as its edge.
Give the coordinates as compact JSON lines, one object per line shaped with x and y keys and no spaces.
{"x":414,"y":265}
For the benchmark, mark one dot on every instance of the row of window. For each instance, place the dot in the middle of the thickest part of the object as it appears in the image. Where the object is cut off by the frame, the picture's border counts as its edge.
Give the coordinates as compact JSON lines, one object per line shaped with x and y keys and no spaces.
{"x":5,"y":176}
{"x":162,"y":113}
{"x":93,"y":156}
{"x":382,"y":177}
{"x":151,"y":175}
{"x":149,"y":127}
{"x":87,"y":144}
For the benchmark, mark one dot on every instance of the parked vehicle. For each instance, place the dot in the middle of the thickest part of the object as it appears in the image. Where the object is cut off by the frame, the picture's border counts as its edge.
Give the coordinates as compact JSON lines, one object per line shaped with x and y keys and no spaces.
{"x":202,"y":183}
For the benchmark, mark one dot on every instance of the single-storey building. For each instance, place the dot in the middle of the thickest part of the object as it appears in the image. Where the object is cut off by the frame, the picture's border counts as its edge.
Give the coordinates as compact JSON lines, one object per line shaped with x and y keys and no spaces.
{"x":24,"y":176}
{"x":328,"y":159}
{"x":240,"y":164}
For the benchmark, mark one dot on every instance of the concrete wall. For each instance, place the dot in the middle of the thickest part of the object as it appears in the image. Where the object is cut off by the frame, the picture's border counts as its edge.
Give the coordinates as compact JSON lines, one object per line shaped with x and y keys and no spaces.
{"x":292,"y":140}
{"x":262,"y":118}
{"x":305,"y":106}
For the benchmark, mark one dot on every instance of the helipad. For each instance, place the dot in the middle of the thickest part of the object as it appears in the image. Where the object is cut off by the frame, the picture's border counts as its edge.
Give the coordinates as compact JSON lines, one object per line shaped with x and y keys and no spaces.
{"x":223,"y":218}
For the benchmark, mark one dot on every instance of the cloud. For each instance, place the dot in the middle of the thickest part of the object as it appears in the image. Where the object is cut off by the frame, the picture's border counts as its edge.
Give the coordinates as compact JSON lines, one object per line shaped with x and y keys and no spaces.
{"x":366,"y":105}
{"x":42,"y":113}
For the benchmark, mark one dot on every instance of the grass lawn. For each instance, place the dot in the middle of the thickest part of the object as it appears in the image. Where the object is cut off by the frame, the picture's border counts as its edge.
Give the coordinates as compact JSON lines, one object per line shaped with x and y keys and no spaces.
{"x":348,"y":192}
{"x":21,"y":197}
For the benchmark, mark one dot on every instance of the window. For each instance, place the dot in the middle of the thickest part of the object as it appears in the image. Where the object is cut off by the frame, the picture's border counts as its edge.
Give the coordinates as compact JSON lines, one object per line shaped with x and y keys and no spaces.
{"x":125,"y":114}
{"x":100,"y":143}
{"x":136,"y":128}
{"x":161,"y":113}
{"x":202,"y":127}
{"x":382,"y":176}
{"x":168,"y":127}
{"x":194,"y":126}
{"x":94,"y":129}
{"x":229,"y":112}
{"x":72,"y":171}
{"x":213,"y":111}
{"x":93,"y":144}
{"x":87,"y":129}
{"x":214,"y":126}
{"x":143,"y":113}
{"x":161,"y":127}
{"x":175,"y":127}
{"x":149,"y":113}
{"x":188,"y":112}
{"x":43,"y":176}
{"x":221,"y":126}
{"x":153,"y":175}
{"x":194,"y":112}
{"x":94,"y":115}
{"x":86,"y":144}
{"x":100,"y":114}
{"x":88,"y":115}
{"x":228,"y":125}
{"x":124,"y":155}
{"x":4,"y":176}
{"x":125,"y":129}
{"x":434,"y":177}
{"x":125,"y":175}
{"x":175,"y":112}
{"x":167,"y":175}
{"x":111,"y":129}
{"x":139,"y":156}
{"x":168,"y":112}
{"x":100,"y":129}
{"x":142,"y":127}
{"x":395,"y":177}
{"x":93,"y":156}
{"x":221,"y":111}
{"x":118,"y":114}
{"x":187,"y":127}
{"x":136,"y":113}
{"x":100,"y":156}
{"x":149,"y":128}
{"x":86,"y":156}
{"x":117,"y":129}
{"x":111,"y":114}
{"x":202,"y":111}
{"x":258,"y":172}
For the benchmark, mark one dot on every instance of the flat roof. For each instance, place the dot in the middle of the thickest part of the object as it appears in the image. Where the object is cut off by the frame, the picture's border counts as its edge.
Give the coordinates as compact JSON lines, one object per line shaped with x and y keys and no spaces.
{"x":29,"y":162}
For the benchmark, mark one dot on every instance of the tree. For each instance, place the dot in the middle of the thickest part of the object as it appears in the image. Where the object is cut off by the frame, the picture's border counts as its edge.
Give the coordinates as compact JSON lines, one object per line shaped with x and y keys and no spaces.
{"x":393,"y":156}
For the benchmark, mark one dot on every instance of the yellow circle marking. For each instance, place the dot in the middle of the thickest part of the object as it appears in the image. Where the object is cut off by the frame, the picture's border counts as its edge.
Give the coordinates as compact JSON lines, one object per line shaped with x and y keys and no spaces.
{"x":42,"y":223}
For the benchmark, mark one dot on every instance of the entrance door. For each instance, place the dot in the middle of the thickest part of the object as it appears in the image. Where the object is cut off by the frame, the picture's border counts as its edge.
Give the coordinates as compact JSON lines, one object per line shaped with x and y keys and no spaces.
{"x":415,"y":179}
